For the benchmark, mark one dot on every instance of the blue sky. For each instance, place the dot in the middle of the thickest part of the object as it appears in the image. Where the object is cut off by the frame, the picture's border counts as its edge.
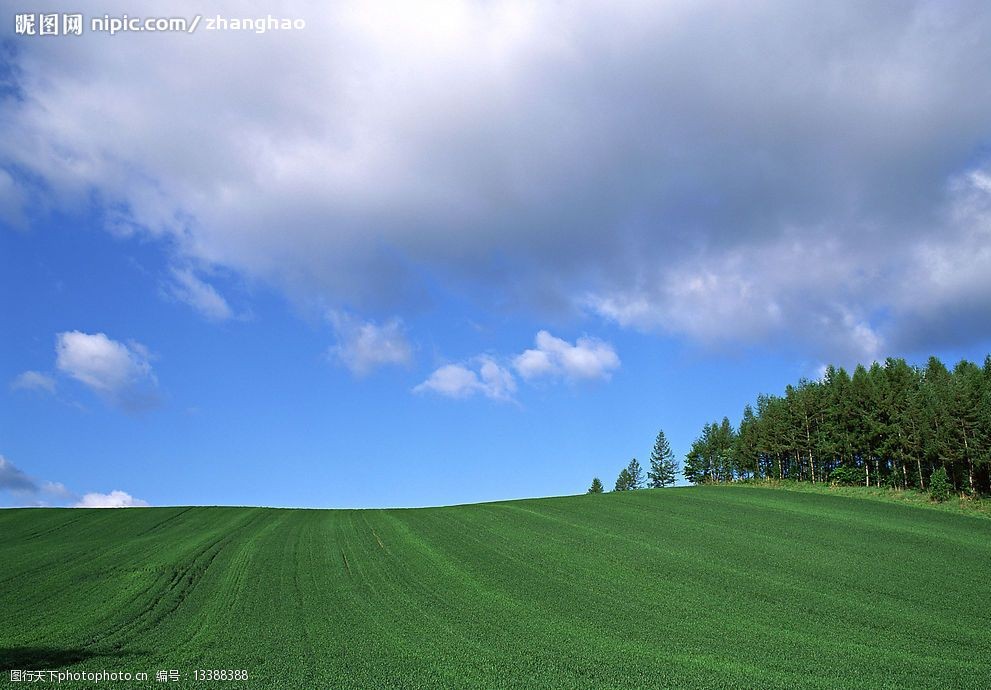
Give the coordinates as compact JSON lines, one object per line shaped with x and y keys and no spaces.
{"x":255,"y":411}
{"x":469,"y":251}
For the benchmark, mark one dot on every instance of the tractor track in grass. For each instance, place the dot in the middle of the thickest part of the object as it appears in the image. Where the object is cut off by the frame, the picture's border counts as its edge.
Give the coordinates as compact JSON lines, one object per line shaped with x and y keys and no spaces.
{"x":159,"y":525}
{"x":709,"y":587}
{"x":164,"y":600}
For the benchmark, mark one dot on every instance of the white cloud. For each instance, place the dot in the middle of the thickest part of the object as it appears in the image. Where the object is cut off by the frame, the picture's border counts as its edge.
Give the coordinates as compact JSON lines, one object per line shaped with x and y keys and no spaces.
{"x":119,"y":373}
{"x":594,"y":149}
{"x":364,"y":345}
{"x":487,"y":378}
{"x":14,"y":480}
{"x":946,"y":292}
{"x":114,"y":499}
{"x":57,"y":489}
{"x":806,"y":291}
{"x":186,"y":287}
{"x":41,"y":494}
{"x":451,"y":380}
{"x":553,"y":358}
{"x":11,"y":202}
{"x":34,"y":381}
{"x":588,"y":358}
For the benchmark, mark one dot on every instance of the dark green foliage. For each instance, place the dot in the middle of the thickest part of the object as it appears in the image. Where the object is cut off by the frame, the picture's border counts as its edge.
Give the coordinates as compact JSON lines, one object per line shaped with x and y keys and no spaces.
{"x":847,"y":476}
{"x":635,"y":473}
{"x":623,"y":481}
{"x":888,"y":425}
{"x":596,"y":487}
{"x":711,"y":587}
{"x":747,"y":450}
{"x":939,"y":485}
{"x":712,"y":457}
{"x":696,"y":467}
{"x":663,"y":466}
{"x":630,"y":477}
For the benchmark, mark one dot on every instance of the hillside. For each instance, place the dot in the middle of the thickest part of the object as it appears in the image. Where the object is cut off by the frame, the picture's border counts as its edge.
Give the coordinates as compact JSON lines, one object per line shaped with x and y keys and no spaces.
{"x":695,"y":587}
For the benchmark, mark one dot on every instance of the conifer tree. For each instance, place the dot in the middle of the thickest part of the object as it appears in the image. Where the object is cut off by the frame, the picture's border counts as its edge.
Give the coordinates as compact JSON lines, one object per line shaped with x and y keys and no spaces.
{"x":624,"y":481}
{"x":747,"y":450}
{"x":724,"y":458}
{"x":698,"y":461}
{"x":935,"y":395}
{"x":663,"y":466}
{"x":636,"y":474}
{"x":596,"y":487}
{"x":939,"y":485}
{"x":887,"y":425}
{"x":965,"y":414}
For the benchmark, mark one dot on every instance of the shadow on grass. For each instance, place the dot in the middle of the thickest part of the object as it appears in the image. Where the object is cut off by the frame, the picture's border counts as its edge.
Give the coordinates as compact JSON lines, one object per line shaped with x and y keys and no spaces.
{"x":41,"y":658}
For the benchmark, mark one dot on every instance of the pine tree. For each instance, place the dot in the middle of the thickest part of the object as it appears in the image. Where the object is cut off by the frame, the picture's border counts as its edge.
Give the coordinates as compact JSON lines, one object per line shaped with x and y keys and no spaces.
{"x":982,"y":441}
{"x":698,"y":461}
{"x":887,"y":425}
{"x":965,"y":411}
{"x":861,"y":423}
{"x":663,"y":466}
{"x":724,"y":455}
{"x":624,"y":481}
{"x":939,"y":485}
{"x":878,"y":421}
{"x":636,"y":474}
{"x":747,"y":450}
{"x":596,"y":487}
{"x":773,"y":436}
{"x":900,"y":443}
{"x":936,"y":427}
{"x":837,"y":421}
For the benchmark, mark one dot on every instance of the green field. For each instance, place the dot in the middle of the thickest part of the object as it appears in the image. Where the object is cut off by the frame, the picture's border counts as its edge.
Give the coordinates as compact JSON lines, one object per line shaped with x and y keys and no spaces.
{"x":696,"y":587}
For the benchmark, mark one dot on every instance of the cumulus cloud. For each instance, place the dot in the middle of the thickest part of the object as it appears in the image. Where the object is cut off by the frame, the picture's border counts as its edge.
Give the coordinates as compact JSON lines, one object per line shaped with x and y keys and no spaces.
{"x":588,"y":358}
{"x":483,"y":376}
{"x":119,"y":373}
{"x":186,"y":287}
{"x":34,"y":381}
{"x":945,"y":295}
{"x":663,"y":160}
{"x":57,"y":489}
{"x":365,"y":345}
{"x":41,"y":494}
{"x":552,"y":358}
{"x":114,"y":499}
{"x":14,"y":480}
{"x":819,"y":297}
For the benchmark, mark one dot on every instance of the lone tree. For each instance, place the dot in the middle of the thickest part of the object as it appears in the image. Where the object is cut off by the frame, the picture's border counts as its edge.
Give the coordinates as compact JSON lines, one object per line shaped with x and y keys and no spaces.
{"x":630,"y":478}
{"x":596,"y":487}
{"x":663,"y":466}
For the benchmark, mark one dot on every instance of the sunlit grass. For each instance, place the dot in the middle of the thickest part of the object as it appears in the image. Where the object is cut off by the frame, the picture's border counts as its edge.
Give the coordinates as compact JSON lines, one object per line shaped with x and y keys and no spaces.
{"x":695,"y":587}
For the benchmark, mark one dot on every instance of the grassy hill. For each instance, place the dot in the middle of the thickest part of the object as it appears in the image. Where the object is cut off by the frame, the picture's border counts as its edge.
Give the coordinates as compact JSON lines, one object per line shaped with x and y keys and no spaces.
{"x":701,"y":587}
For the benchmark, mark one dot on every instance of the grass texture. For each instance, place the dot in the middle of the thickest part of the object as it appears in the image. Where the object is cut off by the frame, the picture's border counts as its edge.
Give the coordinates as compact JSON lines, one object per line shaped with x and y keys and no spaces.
{"x":957,"y":503}
{"x":714,"y":587}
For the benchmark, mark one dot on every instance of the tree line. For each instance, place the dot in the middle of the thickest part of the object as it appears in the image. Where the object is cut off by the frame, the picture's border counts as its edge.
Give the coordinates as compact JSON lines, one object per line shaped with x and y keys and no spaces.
{"x":890,"y":424}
